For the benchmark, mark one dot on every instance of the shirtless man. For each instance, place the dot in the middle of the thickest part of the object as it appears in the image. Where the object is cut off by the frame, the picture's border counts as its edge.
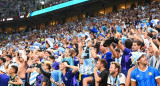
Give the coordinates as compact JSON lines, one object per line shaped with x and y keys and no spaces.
{"x":22,"y":67}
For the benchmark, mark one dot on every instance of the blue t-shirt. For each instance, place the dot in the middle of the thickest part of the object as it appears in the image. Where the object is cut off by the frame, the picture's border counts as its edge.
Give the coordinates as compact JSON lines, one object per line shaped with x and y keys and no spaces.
{"x":68,"y":78}
{"x":55,"y":76}
{"x":4,"y":80}
{"x":145,"y":78}
{"x":108,"y":57}
{"x":126,"y":61}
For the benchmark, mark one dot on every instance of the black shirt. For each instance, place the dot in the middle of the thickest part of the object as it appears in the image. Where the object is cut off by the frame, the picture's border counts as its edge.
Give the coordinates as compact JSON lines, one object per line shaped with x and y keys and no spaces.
{"x":104,"y":76}
{"x":46,"y":79}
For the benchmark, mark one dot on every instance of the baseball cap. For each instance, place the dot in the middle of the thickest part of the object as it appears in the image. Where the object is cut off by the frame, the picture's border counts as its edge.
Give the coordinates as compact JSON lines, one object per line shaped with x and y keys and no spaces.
{"x":55,"y":65}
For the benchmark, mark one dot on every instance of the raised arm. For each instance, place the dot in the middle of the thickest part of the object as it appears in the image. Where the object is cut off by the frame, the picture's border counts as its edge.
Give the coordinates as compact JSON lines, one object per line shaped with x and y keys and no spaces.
{"x":135,"y":36}
{"x":153,"y":45}
{"x":25,"y":59}
{"x":114,"y":54}
{"x":120,"y":45}
{"x":75,"y":69}
{"x":97,"y":78}
{"x":93,"y":53}
{"x":80,"y":47}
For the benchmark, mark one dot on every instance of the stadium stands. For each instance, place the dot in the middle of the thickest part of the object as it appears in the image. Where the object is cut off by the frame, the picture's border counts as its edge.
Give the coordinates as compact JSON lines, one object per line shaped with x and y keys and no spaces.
{"x":13,"y":8}
{"x":123,"y":47}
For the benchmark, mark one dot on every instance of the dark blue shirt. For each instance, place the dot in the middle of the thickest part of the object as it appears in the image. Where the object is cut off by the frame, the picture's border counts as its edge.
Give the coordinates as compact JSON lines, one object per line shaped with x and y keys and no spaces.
{"x":126,"y":63}
{"x":76,"y":62}
{"x":108,"y":57}
{"x":68,"y":78}
{"x":4,"y":80}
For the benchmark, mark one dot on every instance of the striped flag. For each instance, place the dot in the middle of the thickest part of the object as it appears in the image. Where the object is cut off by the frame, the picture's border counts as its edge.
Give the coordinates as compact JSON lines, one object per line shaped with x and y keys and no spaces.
{"x":32,"y":78}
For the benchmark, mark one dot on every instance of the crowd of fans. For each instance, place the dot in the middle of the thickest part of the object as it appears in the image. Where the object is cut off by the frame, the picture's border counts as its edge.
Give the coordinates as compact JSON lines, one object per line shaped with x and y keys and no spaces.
{"x":12,"y":8}
{"x":116,"y":49}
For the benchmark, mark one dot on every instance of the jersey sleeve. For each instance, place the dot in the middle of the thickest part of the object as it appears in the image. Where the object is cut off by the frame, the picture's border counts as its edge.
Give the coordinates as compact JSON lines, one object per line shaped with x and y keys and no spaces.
{"x":157,"y":74}
{"x":122,"y":78}
{"x":133,"y":76}
{"x":126,"y":51}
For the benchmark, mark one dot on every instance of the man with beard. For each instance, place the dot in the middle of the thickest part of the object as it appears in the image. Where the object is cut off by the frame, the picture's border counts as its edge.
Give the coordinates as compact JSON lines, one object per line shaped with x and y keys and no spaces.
{"x":115,"y":78}
{"x":144,"y":75}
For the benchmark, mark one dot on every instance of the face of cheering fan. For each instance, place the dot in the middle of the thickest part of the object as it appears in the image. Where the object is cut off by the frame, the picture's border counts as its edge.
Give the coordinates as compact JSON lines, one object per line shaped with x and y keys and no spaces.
{"x":142,"y":60}
{"x":113,"y":69}
{"x":62,"y":66}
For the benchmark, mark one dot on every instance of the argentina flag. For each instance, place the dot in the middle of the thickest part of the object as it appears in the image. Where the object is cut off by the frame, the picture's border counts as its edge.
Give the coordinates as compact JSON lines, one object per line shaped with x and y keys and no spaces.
{"x":32,"y":78}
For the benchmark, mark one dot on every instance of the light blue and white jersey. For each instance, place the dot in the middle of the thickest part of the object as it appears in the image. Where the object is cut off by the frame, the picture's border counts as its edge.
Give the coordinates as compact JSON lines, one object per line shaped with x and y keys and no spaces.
{"x":87,"y":67}
{"x":118,"y":60}
{"x":88,"y":62}
{"x":155,"y":62}
{"x":145,"y":78}
{"x":116,"y":81}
